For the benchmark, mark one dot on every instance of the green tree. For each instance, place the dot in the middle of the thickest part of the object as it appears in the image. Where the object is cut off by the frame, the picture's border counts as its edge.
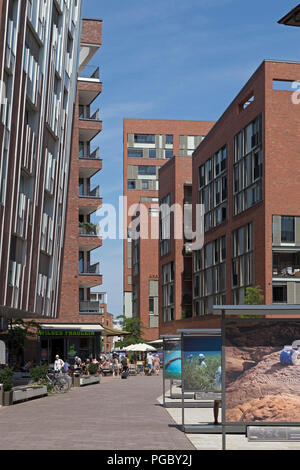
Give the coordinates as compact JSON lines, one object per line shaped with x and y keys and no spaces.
{"x":254,"y":296}
{"x":134,"y":326}
{"x":18,"y":331}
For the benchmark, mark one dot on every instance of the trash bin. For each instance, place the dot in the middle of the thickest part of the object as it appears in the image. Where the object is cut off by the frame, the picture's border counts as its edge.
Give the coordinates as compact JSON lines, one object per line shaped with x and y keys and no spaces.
{"x":76,"y":380}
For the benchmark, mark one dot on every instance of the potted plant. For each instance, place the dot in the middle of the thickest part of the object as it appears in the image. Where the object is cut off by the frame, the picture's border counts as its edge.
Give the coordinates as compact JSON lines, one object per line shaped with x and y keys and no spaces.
{"x":93,"y":368}
{"x":6,"y":380}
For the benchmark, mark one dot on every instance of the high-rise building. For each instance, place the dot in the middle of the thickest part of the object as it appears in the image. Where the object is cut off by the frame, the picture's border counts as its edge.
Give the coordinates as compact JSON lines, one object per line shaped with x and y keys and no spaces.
{"x":38,"y":67}
{"x":148,"y":145}
{"x":79,"y":310}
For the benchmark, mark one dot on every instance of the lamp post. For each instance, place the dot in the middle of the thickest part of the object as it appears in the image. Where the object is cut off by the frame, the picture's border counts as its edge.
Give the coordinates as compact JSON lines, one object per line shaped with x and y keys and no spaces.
{"x":292,"y":18}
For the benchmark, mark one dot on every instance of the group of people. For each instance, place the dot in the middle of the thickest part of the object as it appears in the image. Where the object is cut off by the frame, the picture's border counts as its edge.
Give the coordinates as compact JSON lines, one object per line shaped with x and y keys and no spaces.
{"x":153,"y":364}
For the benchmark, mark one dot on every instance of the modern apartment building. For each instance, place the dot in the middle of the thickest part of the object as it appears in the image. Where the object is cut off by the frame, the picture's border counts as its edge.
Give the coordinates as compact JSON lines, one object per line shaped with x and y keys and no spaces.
{"x":175,"y":256}
{"x":246,"y":174}
{"x":78,"y":308}
{"x":38,"y":67}
{"x":148,"y":145}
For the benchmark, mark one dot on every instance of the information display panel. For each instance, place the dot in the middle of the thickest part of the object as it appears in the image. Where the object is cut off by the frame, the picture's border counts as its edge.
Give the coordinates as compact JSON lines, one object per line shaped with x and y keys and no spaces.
{"x":262,"y":370}
{"x":201,"y":363}
{"x":172,"y":359}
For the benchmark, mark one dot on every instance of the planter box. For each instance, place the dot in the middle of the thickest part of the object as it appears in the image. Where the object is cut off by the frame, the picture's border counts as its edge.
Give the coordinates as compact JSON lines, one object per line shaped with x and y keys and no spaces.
{"x":29,"y":393}
{"x":89,"y":380}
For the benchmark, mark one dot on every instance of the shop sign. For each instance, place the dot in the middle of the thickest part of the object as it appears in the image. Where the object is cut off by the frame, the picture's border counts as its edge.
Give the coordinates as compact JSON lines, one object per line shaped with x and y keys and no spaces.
{"x":65,"y":333}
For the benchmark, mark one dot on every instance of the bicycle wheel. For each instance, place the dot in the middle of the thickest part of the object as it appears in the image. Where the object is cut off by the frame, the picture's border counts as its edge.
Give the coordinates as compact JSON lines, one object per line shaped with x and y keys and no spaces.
{"x":62,"y":385}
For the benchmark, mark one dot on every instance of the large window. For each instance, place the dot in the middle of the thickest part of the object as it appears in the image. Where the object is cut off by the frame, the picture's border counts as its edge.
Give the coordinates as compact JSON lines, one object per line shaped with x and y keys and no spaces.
{"x":146,"y":170}
{"x":287,"y":229}
{"x":242,"y":261}
{"x":135,"y":153}
{"x":144,"y":138}
{"x":212,"y":177}
{"x":165,"y":226}
{"x":248,"y":167}
{"x":168,"y":292}
{"x":209,"y":276}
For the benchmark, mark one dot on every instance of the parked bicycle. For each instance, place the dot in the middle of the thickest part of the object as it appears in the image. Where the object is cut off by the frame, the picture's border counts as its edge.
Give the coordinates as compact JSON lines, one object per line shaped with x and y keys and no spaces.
{"x":61,"y":382}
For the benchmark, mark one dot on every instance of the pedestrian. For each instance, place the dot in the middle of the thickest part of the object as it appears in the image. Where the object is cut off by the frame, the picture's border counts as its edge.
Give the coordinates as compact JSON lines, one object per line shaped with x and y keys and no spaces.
{"x":150,"y":363}
{"x":156,"y":364}
{"x":115,"y":366}
{"x":58,"y":364}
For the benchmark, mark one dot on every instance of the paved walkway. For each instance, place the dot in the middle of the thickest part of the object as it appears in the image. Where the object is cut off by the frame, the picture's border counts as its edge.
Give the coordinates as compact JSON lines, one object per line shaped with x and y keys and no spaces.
{"x":114,"y":415}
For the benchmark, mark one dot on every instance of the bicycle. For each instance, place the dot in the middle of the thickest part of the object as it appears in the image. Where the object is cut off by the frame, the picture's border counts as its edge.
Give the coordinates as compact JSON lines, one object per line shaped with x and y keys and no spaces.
{"x":61,"y":383}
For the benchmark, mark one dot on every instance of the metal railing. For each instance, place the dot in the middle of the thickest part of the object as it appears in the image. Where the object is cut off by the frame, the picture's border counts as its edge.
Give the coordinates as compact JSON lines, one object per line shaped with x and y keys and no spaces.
{"x":95,"y":155}
{"x":88,"y":306}
{"x":83,"y":192}
{"x":286,"y":271}
{"x":90,"y":269}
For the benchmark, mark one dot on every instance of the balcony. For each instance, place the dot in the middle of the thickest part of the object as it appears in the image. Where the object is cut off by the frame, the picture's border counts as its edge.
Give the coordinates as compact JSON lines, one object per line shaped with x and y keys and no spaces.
{"x":87,"y":306}
{"x":89,"y":193}
{"x":89,"y":269}
{"x":95,"y":155}
{"x":87,"y":229}
{"x":87,"y":115}
{"x":286,"y":264}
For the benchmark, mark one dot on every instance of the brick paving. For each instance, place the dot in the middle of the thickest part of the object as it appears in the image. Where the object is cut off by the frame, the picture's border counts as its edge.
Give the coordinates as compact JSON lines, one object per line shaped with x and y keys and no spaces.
{"x":114,"y":415}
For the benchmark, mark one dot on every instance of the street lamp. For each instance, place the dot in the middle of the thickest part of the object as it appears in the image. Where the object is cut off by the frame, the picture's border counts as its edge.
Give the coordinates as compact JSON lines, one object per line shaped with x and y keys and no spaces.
{"x":292,"y":18}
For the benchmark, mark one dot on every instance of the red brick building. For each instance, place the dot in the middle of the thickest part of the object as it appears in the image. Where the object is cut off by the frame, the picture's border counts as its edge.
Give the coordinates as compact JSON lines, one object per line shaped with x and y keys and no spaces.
{"x":148,"y":144}
{"x":80,"y":273}
{"x":246,"y":173}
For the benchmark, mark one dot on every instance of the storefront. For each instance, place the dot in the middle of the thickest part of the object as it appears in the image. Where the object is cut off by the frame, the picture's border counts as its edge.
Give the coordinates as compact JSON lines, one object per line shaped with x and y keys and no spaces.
{"x":68,"y":341}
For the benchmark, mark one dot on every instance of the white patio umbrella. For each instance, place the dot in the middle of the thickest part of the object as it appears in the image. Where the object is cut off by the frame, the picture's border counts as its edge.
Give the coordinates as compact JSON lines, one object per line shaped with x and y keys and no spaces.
{"x":140,"y":347}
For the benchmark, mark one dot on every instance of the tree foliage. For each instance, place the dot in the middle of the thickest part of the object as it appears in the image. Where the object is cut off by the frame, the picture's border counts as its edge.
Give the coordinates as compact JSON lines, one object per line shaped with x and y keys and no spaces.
{"x":254,"y":296}
{"x":135,"y":327}
{"x":18,"y":332}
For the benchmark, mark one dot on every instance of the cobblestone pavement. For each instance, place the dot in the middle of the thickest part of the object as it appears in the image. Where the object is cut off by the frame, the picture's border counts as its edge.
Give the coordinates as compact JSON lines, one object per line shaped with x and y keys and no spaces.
{"x":113,"y":415}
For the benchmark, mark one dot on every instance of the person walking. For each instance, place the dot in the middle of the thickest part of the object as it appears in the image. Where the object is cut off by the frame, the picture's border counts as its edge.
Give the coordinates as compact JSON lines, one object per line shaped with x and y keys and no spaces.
{"x":150,"y":363}
{"x":156,"y":364}
{"x":58,"y":364}
{"x":115,"y":366}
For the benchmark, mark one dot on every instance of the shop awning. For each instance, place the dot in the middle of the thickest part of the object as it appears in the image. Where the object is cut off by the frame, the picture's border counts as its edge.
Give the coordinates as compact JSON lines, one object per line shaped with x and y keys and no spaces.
{"x":114,"y":332}
{"x":72,"y":327}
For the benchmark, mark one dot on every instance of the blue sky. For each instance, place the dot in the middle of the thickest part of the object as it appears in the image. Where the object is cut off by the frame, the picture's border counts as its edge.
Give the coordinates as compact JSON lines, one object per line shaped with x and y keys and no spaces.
{"x":171,"y":59}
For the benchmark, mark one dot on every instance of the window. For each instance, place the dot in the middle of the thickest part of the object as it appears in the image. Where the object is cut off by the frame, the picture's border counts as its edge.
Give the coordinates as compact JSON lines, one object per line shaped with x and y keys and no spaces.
{"x":151,"y":306}
{"x":131,"y":184}
{"x":144,"y":138}
{"x":146,"y":170}
{"x":210,"y":276}
{"x":168,"y":153}
{"x":168,"y":292}
{"x":280,"y":294}
{"x":134,"y":153}
{"x":169,"y":139}
{"x":145,"y":184}
{"x":248,"y":166}
{"x":242,"y":260}
{"x":287,"y":229}
{"x":152,"y":153}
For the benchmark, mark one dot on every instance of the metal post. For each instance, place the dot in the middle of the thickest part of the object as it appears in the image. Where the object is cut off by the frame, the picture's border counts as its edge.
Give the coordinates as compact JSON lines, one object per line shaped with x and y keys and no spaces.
{"x":164,"y":385}
{"x":182,"y":384}
{"x":223,"y":402}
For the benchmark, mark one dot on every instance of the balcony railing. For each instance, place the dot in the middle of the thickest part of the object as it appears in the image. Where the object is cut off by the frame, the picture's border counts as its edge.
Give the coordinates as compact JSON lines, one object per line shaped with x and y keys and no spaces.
{"x":90,"y":72}
{"x":90,"y":269}
{"x":86,"y":115}
{"x":95,"y":155}
{"x":87,"y":306}
{"x":286,"y":271}
{"x":94,"y":193}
